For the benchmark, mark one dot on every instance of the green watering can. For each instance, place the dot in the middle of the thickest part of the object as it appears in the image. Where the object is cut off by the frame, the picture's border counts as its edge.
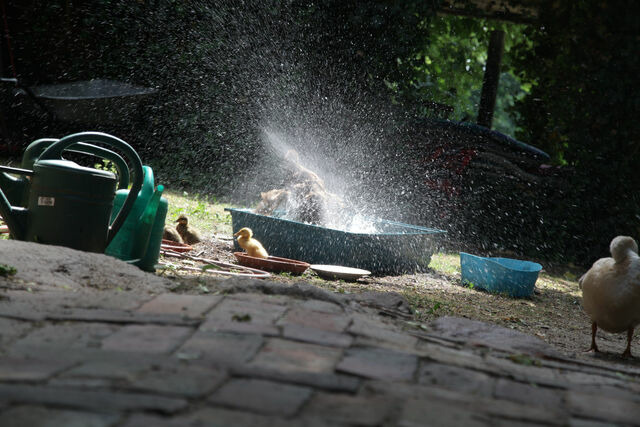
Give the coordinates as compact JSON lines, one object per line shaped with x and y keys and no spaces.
{"x":138,"y":241}
{"x":16,"y":189}
{"x":68,"y":204}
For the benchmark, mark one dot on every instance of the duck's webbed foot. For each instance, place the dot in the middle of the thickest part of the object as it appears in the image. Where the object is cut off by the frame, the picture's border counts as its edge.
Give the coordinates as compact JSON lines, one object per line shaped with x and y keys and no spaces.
{"x":594,"y":346}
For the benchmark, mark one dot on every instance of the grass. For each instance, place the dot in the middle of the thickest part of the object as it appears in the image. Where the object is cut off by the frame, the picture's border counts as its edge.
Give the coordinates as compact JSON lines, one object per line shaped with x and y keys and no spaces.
{"x":445,"y":263}
{"x":205,"y":213}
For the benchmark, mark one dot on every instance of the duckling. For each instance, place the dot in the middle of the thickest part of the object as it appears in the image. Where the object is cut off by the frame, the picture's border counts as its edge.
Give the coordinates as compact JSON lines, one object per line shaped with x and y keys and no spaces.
{"x":189,"y":234}
{"x":611,"y":291}
{"x":249,"y":244}
{"x":172,"y":234}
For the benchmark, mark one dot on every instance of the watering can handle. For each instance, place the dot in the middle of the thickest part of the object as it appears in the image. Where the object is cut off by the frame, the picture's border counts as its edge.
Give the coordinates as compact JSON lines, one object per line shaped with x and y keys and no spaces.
{"x":54,"y":151}
{"x":118,"y":161}
{"x":38,"y":146}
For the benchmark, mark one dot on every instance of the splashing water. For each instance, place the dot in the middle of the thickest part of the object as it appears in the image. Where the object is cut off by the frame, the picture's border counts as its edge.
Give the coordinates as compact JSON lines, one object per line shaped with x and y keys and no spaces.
{"x":333,"y":208}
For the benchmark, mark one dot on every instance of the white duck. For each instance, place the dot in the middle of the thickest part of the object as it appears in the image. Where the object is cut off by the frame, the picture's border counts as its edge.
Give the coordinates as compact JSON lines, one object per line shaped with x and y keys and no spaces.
{"x":611,"y":291}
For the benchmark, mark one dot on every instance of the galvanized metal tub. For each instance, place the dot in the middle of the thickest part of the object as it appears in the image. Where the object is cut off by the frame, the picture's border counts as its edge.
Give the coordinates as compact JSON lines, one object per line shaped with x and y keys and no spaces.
{"x":396,"y":248}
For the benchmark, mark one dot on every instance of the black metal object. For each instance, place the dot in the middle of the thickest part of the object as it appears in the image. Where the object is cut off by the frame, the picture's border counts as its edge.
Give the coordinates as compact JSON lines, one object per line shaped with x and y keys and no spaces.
{"x":96,"y":101}
{"x":27,"y":90}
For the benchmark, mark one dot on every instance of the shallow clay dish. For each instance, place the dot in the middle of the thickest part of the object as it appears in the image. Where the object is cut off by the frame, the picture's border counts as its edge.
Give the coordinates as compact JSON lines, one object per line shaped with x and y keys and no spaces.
{"x":273,"y":263}
{"x":175,"y":246}
{"x":333,"y":272}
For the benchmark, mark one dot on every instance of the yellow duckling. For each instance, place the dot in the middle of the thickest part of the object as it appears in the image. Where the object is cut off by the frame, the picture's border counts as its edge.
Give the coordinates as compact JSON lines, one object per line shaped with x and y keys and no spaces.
{"x":249,"y":244}
{"x":189,"y":234}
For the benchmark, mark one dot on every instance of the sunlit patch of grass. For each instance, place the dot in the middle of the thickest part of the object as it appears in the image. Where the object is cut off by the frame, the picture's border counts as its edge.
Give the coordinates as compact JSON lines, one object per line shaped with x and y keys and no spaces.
{"x":559,"y":284}
{"x":205,"y":213}
{"x":448,"y":264}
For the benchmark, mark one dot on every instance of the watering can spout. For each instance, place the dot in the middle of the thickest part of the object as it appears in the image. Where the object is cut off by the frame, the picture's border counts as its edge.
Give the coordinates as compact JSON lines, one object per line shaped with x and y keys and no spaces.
{"x":145,"y":222}
{"x":15,"y":217}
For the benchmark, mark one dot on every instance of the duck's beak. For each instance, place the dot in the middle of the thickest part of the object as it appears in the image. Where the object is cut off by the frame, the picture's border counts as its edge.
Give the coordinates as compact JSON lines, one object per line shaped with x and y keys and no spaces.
{"x":236,"y":234}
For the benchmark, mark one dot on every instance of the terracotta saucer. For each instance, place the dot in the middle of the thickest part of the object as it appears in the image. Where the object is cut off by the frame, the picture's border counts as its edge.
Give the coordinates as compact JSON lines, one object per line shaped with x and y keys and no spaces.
{"x":175,"y":246}
{"x":273,"y":263}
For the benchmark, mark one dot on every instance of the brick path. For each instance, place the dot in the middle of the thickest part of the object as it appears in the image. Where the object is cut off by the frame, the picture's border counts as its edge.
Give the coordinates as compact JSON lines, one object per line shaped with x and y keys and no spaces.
{"x":87,"y":340}
{"x":250,"y":359}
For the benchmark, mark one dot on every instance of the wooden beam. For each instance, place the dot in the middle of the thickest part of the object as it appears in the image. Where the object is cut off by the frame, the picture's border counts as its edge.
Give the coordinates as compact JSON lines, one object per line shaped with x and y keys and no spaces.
{"x":518,"y":11}
{"x":491,"y":79}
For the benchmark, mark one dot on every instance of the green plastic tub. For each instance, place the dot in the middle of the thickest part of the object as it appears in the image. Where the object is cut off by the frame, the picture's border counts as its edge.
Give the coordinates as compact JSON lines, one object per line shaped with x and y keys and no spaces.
{"x":396,"y":249}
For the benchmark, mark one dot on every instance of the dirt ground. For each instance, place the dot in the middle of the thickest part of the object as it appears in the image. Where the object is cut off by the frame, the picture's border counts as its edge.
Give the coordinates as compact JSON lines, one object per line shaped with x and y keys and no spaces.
{"x":553,"y":313}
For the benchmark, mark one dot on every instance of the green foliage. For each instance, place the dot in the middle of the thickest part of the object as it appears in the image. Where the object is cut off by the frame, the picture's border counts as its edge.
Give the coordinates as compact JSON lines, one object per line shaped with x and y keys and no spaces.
{"x":7,"y":270}
{"x":246,"y":317}
{"x":581,"y":62}
{"x":448,"y":69}
{"x":524,"y":359}
{"x":106,"y":165}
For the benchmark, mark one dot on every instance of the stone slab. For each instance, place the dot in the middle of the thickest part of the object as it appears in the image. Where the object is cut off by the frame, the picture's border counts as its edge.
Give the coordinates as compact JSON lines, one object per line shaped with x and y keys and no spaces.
{"x":30,"y":370}
{"x":528,"y":393}
{"x":371,"y":327}
{"x":244,"y":316}
{"x":478,"y":333}
{"x":66,"y":335}
{"x":120,"y":316}
{"x":12,"y":330}
{"x":349,"y":409}
{"x":57,"y":267}
{"x":93,"y":400}
{"x":225,"y":347}
{"x":319,"y":306}
{"x":192,"y":306}
{"x":284,"y":355}
{"x":122,"y":370}
{"x":603,"y":408}
{"x":261,"y":396}
{"x":464,"y":380}
{"x":181,"y":380}
{"x":436,"y":412}
{"x":377,"y":363}
{"x":331,"y":322}
{"x":32,"y":416}
{"x":490,"y":407}
{"x":147,"y":338}
{"x":316,"y":336}
{"x":220,"y":417}
{"x":317,"y":380}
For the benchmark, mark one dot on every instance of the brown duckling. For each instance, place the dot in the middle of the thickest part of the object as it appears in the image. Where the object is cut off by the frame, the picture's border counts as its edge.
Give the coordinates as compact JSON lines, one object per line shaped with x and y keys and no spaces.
{"x":172,"y":234}
{"x":189,"y":234}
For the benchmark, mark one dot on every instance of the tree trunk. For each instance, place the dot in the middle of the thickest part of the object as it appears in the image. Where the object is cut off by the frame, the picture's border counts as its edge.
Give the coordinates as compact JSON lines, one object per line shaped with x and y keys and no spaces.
{"x":491,"y":78}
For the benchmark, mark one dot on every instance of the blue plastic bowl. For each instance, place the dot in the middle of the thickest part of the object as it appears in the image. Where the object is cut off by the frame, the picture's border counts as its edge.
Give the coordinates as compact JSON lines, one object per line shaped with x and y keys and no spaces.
{"x":508,"y":276}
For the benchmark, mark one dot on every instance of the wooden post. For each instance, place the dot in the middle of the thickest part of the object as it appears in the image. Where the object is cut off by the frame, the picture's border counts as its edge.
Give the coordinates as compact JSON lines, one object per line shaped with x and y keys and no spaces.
{"x":491,"y":78}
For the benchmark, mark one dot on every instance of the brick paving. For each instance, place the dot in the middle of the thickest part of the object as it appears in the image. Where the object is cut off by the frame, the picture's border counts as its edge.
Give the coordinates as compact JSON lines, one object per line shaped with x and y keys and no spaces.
{"x":106,"y":358}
